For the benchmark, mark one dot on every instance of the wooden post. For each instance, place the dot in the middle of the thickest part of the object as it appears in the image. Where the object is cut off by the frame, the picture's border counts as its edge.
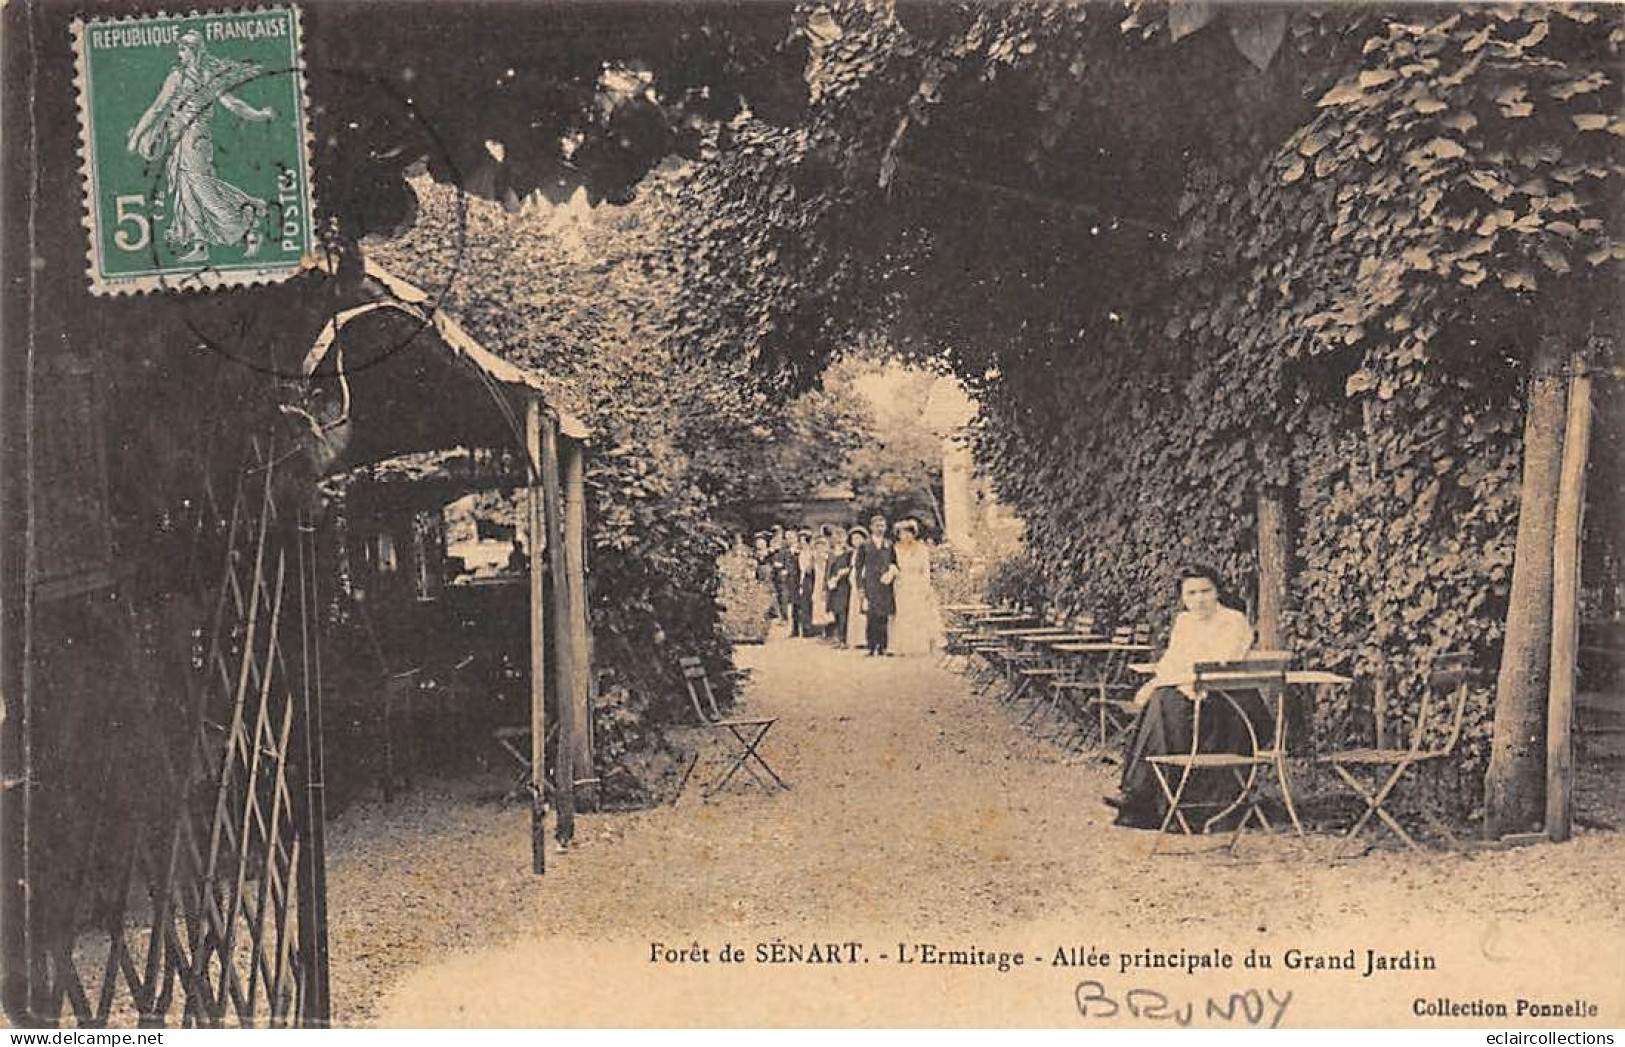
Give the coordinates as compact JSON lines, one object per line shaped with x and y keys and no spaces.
{"x":538,"y":642}
{"x":1272,"y":567}
{"x":311,"y":872}
{"x":387,"y":714}
{"x":575,"y":547}
{"x":1566,"y":605}
{"x":564,"y":788}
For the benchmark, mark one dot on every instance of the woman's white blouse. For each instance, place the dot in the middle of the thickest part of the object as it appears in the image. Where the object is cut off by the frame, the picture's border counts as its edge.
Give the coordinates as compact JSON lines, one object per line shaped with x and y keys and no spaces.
{"x":1223,"y":637}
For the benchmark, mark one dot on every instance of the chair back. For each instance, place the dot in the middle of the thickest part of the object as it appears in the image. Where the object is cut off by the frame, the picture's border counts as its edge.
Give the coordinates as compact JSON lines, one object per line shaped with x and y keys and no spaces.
{"x":1124,"y":635}
{"x":696,"y":680}
{"x":1447,"y":673}
{"x":1261,"y":671}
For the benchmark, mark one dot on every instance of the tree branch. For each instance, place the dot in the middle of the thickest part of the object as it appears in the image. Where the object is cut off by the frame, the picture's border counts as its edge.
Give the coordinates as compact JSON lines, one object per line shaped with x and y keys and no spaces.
{"x":1046,"y":203}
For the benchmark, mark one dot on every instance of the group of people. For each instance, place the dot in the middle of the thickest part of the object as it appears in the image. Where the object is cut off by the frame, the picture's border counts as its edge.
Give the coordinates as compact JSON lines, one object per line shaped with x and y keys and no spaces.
{"x":869,"y":588}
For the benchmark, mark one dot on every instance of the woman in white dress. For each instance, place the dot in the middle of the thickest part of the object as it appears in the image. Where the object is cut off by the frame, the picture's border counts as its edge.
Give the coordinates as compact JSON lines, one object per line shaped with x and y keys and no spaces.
{"x":821,"y":618}
{"x":916,"y":627}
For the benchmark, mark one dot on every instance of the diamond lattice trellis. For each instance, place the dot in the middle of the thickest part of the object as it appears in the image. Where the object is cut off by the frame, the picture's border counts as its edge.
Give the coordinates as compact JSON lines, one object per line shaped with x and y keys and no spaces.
{"x":208,"y":913}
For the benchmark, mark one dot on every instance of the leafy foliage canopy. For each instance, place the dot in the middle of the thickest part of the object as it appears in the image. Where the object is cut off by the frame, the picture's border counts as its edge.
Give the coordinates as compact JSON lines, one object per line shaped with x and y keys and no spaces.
{"x":1188,"y":254}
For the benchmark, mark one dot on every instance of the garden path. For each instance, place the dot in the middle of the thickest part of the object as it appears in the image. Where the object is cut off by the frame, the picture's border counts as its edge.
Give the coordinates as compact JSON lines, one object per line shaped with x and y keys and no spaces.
{"x":920,"y":813}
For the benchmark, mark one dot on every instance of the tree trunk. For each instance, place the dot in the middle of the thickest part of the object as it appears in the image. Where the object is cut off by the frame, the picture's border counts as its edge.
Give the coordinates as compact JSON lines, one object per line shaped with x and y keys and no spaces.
{"x":1273,"y":553}
{"x":1514,"y":786}
{"x":1379,"y":688}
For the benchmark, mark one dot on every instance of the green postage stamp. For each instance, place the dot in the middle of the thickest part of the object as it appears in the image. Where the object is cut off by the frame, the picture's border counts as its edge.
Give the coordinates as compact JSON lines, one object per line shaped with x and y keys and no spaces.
{"x":194,"y":149}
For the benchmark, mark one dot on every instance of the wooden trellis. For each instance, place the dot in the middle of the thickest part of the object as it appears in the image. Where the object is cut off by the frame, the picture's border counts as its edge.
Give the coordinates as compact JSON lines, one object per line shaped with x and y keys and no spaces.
{"x":216,"y":913}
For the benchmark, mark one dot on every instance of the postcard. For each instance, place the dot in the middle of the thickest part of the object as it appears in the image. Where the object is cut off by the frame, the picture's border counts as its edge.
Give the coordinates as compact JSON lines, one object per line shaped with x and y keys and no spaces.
{"x":854,"y":513}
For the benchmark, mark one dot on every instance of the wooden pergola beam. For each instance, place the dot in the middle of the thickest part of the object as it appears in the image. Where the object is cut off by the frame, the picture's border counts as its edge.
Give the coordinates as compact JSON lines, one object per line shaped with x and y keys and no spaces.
{"x":538,"y":639}
{"x":572,"y":458}
{"x":564,"y":671}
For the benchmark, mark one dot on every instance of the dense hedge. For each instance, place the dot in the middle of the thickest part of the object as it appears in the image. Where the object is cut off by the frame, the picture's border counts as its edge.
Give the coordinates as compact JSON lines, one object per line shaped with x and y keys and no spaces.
{"x":1350,"y":321}
{"x":582,"y":300}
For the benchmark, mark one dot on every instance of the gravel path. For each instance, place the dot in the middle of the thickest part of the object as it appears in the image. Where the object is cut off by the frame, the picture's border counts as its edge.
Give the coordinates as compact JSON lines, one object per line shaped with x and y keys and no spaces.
{"x":919,"y":812}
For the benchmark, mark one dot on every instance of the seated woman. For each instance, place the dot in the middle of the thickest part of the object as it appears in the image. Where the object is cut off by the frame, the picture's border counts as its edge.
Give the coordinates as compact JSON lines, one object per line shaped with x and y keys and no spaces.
{"x":1205,"y":631}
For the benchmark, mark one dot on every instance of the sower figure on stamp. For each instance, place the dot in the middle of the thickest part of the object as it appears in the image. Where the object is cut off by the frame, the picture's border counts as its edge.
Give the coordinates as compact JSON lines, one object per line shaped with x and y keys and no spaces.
{"x":205,"y":210}
{"x":876,"y":571}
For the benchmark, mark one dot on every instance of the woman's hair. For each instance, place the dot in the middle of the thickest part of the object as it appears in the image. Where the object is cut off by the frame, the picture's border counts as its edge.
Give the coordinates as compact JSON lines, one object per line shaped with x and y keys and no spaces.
{"x":908,"y":527}
{"x":856,"y":532}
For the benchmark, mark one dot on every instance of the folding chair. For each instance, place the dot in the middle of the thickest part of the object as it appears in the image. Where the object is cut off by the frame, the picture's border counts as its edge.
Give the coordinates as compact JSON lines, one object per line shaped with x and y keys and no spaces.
{"x":1112,"y":700}
{"x":1220,"y":681}
{"x":1058,"y":678}
{"x":1021,"y":657}
{"x":744,"y":736}
{"x":1032,"y":673}
{"x":1000,"y":655}
{"x":956,"y":643}
{"x":997,"y":668}
{"x":1447,"y":673}
{"x":515,"y":742}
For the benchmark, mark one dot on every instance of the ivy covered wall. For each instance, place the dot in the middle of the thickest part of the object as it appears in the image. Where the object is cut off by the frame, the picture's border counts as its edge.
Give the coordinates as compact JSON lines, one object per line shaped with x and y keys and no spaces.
{"x":1352,"y":322}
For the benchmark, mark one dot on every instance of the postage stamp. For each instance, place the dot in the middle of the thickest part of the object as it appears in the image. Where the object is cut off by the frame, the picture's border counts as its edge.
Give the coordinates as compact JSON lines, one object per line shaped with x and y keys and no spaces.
{"x":194,"y":150}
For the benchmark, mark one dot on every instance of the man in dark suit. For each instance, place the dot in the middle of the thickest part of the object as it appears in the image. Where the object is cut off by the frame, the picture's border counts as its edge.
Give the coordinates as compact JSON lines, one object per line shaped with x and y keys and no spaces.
{"x":876,"y":570}
{"x":786,"y":574}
